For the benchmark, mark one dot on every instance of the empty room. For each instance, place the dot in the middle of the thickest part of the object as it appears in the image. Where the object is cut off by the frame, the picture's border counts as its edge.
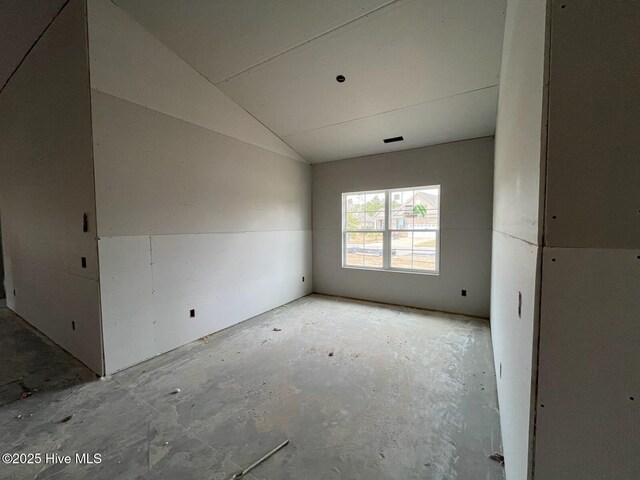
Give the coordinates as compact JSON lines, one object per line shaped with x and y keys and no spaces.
{"x":331,"y":239}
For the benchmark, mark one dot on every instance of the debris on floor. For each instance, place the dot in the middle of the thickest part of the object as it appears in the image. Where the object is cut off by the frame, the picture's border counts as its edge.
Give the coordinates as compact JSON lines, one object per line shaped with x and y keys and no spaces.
{"x":27,"y":393}
{"x":497,"y":457}
{"x":177,"y":390}
{"x":255,"y":464}
{"x":67,"y":418}
{"x":331,"y":354}
{"x":276,"y":329}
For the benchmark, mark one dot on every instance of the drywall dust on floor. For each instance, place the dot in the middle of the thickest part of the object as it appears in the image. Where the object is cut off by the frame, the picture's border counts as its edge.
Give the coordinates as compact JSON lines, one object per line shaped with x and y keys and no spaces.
{"x":360,"y":389}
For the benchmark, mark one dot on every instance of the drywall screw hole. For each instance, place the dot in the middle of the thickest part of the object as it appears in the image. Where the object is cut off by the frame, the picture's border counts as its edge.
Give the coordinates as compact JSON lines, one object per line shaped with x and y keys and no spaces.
{"x":542,"y":405}
{"x":553,"y":259}
{"x":554,"y":217}
{"x":631,"y":398}
{"x":563,"y":6}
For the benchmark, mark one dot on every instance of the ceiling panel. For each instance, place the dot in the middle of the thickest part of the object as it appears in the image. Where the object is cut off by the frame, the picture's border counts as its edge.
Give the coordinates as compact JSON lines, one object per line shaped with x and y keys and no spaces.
{"x":402,"y":55}
{"x":409,"y":65}
{"x":470,"y":115}
{"x":225,"y":37}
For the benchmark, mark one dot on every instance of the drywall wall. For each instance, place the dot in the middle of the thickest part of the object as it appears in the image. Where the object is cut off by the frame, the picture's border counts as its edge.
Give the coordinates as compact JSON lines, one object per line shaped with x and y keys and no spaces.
{"x":588,"y":368}
{"x":593,"y":199}
{"x":46,"y":175}
{"x":21,"y":23}
{"x":514,"y":314}
{"x":2,"y":290}
{"x":199,"y":206}
{"x":588,"y":384}
{"x":129,"y":63}
{"x":465,"y":172}
{"x":518,"y":181}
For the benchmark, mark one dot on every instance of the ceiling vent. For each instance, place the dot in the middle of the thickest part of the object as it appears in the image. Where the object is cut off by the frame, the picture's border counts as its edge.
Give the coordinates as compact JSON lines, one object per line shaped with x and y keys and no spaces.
{"x":393,"y":139}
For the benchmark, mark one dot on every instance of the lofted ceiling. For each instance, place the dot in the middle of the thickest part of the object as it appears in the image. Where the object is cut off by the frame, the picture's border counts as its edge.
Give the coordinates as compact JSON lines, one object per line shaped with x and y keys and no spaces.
{"x":426,"y":70}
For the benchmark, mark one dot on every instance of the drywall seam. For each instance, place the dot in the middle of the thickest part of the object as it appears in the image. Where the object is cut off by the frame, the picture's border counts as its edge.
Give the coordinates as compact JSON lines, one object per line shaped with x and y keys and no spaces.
{"x":146,"y":107}
{"x":544,"y":142}
{"x":300,"y":158}
{"x":33,"y":45}
{"x":406,"y":107}
{"x":320,"y":35}
{"x":95,"y":199}
{"x":516,"y":238}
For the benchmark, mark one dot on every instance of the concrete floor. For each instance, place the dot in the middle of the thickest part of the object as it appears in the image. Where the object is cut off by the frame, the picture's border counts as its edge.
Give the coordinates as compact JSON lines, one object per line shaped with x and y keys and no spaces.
{"x":406,"y":394}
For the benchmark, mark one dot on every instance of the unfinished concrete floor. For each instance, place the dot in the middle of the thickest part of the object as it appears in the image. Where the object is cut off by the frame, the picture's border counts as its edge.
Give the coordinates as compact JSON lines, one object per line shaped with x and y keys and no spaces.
{"x":363,"y":391}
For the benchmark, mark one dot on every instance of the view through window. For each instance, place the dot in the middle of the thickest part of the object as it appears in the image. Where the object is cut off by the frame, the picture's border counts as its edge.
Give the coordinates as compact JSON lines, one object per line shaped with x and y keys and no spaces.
{"x":395,"y":229}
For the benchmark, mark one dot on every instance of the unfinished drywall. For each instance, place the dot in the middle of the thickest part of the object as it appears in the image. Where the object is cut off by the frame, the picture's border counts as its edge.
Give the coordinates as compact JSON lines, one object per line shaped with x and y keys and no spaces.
{"x":588,"y":383}
{"x":514,"y":314}
{"x":465,"y":171}
{"x":21,"y":24}
{"x":2,"y":290}
{"x":47,"y":187}
{"x":200,"y":207}
{"x":516,"y":223}
{"x":593,"y":199}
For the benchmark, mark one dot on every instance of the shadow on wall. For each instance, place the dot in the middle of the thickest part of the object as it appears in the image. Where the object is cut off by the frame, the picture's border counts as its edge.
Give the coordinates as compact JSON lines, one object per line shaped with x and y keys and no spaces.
{"x":31,"y":364}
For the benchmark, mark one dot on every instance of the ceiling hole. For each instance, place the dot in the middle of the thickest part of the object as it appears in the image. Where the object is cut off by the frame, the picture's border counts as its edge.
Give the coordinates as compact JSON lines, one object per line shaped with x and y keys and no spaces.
{"x":340,"y":78}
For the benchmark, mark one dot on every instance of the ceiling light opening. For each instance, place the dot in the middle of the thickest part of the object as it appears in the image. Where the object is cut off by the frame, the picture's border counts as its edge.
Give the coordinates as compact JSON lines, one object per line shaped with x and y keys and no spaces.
{"x":393,"y":139}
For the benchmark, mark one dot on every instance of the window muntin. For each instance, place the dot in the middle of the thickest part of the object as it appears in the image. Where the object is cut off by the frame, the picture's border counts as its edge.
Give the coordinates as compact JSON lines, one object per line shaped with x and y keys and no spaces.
{"x":395,"y":229}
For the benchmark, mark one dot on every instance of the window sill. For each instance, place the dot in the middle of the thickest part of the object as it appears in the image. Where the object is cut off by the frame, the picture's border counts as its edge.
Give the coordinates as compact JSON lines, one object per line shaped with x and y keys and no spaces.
{"x":393,"y":270}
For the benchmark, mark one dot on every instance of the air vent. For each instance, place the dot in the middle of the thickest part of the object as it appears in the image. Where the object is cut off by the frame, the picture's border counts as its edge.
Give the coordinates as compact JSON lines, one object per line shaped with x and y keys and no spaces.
{"x":393,"y":139}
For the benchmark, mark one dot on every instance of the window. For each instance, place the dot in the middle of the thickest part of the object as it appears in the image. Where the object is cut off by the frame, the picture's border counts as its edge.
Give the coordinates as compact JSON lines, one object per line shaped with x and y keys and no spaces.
{"x":396,"y":229}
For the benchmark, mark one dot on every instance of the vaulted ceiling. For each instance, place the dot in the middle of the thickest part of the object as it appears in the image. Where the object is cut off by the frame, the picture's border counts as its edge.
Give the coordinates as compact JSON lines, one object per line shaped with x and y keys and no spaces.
{"x":426,"y":70}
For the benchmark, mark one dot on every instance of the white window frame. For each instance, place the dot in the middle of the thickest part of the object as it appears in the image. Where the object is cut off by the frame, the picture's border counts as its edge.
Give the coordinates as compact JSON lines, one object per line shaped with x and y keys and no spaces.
{"x":387,"y":231}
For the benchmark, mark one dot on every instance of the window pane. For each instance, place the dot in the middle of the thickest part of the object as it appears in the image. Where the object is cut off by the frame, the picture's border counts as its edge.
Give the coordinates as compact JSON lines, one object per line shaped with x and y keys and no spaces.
{"x":354,"y":202}
{"x":354,"y":250}
{"x":374,"y":201}
{"x":373,"y":249}
{"x":401,"y":210}
{"x":401,"y":249}
{"x":425,"y":208}
{"x":402,"y":219}
{"x":424,"y":250}
{"x":355,"y":221}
